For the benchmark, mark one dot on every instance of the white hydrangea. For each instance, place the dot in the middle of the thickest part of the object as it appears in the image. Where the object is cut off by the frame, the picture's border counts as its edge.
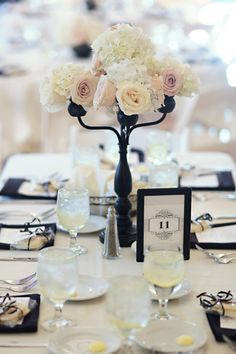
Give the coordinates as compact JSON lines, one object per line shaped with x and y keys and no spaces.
{"x":127,"y":70}
{"x":120,"y":42}
{"x":52,"y":101}
{"x":191,"y":82}
{"x":63,"y":77}
{"x":170,"y":64}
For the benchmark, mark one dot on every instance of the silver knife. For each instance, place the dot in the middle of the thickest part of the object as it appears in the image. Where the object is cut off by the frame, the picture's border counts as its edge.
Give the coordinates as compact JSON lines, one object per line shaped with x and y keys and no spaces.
{"x":22,"y":345}
{"x":19,"y":259}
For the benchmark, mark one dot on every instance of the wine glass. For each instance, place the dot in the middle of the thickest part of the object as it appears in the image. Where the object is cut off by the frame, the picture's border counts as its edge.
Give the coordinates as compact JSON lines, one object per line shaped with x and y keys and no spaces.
{"x":57,"y":277}
{"x":164,"y":269}
{"x":73,"y":213}
{"x":128,"y":305}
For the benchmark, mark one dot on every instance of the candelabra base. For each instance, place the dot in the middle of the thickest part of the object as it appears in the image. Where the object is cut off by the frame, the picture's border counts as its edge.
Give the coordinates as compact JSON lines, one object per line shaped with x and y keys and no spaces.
{"x":126,"y":236}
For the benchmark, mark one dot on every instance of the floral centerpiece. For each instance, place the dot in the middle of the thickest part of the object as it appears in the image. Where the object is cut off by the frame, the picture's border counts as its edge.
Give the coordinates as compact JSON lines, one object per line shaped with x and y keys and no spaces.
{"x":127,"y":78}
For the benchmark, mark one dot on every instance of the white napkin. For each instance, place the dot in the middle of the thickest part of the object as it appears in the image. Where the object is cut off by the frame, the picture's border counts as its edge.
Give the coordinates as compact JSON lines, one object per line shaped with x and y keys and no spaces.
{"x":218,"y":234}
{"x":199,"y":181}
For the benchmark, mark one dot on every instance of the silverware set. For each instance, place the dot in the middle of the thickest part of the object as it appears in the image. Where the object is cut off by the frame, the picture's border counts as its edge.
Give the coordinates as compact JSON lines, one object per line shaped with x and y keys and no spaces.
{"x":222,"y":258}
{"x":19,"y":285}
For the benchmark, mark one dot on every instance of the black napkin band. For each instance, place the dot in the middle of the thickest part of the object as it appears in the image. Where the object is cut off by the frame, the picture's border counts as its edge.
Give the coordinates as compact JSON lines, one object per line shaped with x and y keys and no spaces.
{"x":214,"y":322}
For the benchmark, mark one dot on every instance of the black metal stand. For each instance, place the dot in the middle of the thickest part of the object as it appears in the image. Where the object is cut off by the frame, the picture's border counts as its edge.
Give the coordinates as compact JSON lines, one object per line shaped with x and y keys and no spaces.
{"x":123,"y":178}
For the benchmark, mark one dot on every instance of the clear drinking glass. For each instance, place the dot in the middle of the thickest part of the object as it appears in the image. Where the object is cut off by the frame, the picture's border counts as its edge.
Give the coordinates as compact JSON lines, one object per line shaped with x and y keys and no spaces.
{"x":128,"y":305}
{"x":165,"y":175}
{"x":57,"y":277}
{"x":164,"y":269}
{"x":73,"y":213}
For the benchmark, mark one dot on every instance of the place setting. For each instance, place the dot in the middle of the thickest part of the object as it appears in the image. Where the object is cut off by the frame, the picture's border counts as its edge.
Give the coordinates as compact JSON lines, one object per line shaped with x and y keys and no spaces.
{"x":41,"y":188}
{"x":24,"y":229}
{"x":19,"y":309}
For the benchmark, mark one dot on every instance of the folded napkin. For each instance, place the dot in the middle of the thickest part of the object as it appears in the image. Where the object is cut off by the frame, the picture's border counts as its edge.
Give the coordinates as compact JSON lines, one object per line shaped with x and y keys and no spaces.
{"x":214,"y":320}
{"x":214,"y":181}
{"x":30,"y":321}
{"x":17,"y":188}
{"x":35,"y":237}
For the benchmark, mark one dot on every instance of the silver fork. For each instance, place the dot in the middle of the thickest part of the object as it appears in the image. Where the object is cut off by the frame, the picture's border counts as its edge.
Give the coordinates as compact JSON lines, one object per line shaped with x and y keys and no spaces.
{"x":225,"y":260}
{"x":213,"y":255}
{"x":45,"y":214}
{"x":19,"y":288}
{"x":19,"y":281}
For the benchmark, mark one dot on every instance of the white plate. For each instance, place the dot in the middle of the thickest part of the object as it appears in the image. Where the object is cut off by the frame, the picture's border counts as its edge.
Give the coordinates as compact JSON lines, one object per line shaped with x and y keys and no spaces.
{"x":96,"y":223}
{"x":76,"y":340}
{"x":90,"y":288}
{"x":161,"y":336}
{"x":184,"y":289}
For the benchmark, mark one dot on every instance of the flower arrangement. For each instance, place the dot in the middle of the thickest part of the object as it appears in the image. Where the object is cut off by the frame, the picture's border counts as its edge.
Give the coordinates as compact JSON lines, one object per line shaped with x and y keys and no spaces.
{"x":125,"y":75}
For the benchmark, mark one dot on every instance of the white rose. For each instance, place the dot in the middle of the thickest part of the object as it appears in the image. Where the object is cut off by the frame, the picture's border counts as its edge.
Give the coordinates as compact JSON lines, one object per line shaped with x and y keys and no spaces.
{"x":133,"y":98}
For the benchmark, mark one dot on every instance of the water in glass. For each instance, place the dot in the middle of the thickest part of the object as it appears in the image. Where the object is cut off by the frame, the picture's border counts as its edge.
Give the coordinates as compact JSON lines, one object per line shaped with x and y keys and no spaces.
{"x":57,"y":277}
{"x":73,"y":213}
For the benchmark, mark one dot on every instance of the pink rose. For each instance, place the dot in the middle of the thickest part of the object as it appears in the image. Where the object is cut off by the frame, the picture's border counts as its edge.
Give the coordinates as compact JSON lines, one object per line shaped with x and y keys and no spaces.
{"x":96,"y":67}
{"x":83,"y":89}
{"x":105,"y":94}
{"x":172,"y":82}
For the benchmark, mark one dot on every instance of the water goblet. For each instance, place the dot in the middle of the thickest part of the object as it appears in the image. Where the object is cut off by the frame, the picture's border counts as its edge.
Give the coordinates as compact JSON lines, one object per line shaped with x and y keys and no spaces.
{"x":57,"y":277}
{"x":73,"y":213}
{"x":128,"y":305}
{"x":164,"y":269}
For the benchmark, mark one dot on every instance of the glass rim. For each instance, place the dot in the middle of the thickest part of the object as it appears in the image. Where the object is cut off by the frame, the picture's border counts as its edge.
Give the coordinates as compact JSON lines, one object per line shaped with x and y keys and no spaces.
{"x":69,"y":254}
{"x":72,"y":189}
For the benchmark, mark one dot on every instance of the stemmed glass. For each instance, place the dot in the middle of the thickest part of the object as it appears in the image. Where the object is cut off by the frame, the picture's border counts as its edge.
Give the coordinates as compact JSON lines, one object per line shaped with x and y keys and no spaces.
{"x":57,"y":277}
{"x":73,"y":213}
{"x":128,"y":305}
{"x":164,"y":269}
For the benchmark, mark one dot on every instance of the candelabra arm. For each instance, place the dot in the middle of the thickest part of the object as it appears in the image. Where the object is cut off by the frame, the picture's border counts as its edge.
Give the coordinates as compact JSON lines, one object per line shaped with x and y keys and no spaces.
{"x":148,"y":123}
{"x":99,"y":127}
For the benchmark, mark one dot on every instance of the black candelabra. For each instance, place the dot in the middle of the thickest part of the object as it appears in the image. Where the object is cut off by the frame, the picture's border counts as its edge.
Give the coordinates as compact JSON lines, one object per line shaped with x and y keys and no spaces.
{"x":123,"y":178}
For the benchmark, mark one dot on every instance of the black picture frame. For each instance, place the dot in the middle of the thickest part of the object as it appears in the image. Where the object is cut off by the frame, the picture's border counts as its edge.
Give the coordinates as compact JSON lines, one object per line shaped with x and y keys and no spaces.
{"x":166,"y":207}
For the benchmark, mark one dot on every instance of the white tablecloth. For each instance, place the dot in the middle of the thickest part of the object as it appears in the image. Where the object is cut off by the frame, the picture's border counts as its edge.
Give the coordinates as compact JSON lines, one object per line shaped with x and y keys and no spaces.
{"x":204,"y":274}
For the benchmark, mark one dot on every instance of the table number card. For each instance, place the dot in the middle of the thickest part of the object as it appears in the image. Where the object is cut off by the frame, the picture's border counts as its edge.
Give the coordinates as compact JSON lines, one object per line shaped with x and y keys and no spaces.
{"x":163,"y":215}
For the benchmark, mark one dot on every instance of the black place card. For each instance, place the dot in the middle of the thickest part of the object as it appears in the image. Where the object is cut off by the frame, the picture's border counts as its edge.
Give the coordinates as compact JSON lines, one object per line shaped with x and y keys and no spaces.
{"x":163,"y":215}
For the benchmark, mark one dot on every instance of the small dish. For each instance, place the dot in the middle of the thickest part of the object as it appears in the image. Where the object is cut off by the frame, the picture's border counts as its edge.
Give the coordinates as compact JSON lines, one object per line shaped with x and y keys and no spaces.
{"x":76,"y":340}
{"x":90,"y":288}
{"x":96,"y":223}
{"x":161,"y":336}
{"x":184,"y":289}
